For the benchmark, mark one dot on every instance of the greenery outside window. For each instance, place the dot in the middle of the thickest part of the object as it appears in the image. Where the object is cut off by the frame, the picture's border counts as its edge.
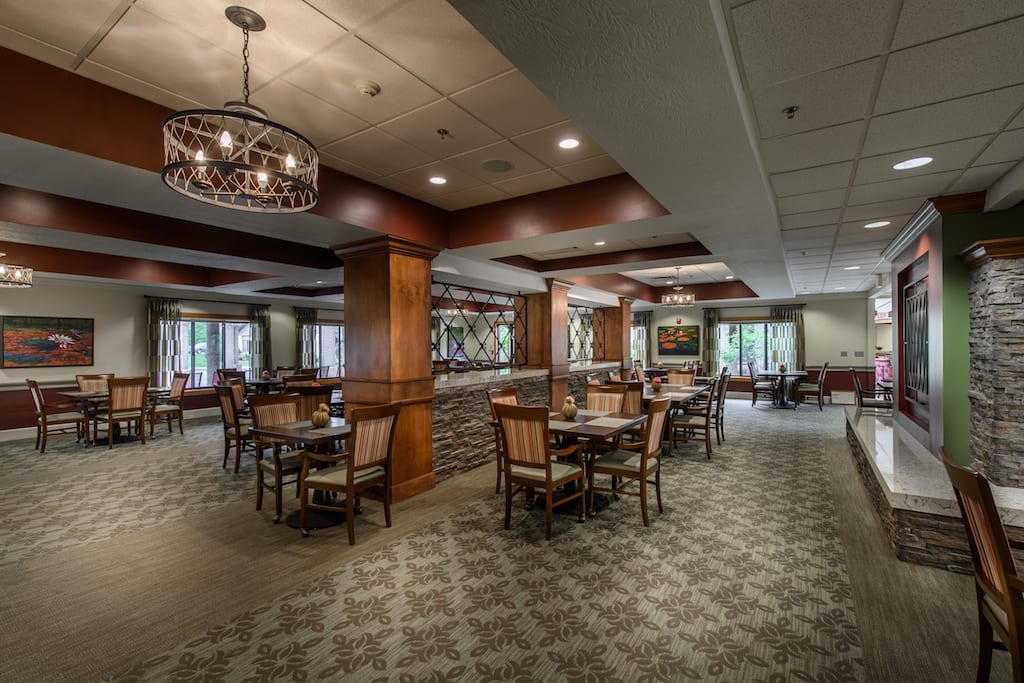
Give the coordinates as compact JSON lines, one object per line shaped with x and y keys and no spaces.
{"x":206,"y":344}
{"x":329,"y":348}
{"x":743,"y":342}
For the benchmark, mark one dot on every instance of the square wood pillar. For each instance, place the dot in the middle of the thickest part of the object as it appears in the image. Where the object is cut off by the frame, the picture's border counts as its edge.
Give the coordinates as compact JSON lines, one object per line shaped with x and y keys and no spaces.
{"x":387,"y":348}
{"x":615,"y":322}
{"x":547,"y":334}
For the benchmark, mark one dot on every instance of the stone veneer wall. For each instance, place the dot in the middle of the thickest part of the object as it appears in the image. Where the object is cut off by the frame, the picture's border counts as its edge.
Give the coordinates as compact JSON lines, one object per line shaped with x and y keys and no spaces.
{"x":997,"y":370}
{"x":463,"y":438}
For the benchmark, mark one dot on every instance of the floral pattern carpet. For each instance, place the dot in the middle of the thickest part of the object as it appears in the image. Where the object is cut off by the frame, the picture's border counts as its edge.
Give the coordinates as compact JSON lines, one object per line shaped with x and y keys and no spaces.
{"x":742,"y":578}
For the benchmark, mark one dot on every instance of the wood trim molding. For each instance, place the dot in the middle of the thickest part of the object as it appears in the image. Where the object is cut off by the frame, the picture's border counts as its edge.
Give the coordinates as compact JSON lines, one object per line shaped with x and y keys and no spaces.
{"x":388,"y":244}
{"x":983,"y":251}
{"x":669,"y":251}
{"x":970,"y":202}
{"x":304,"y":291}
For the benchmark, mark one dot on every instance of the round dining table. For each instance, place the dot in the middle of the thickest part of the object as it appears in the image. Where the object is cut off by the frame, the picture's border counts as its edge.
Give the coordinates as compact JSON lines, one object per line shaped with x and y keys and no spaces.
{"x":784,"y":381}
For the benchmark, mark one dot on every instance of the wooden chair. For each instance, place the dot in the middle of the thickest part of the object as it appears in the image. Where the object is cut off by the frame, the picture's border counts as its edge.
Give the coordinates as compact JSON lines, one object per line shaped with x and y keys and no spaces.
{"x":223,"y":374}
{"x":868,"y":398}
{"x":635,"y":462}
{"x":998,"y":588}
{"x":633,"y":403}
{"x":170,"y":406}
{"x":96,"y":382}
{"x":309,"y":398}
{"x":284,"y":371}
{"x":364,"y":469}
{"x":817,"y":389}
{"x":299,"y":379}
{"x":695,"y":423}
{"x":275,"y":409}
{"x":764,"y":386}
{"x":236,"y":429}
{"x":439,"y":367}
{"x":236,"y":376}
{"x":718,"y":409}
{"x":682,"y":377}
{"x":127,"y":404}
{"x":638,"y":371}
{"x":530,"y":462}
{"x":607,"y":397}
{"x":504,"y":396}
{"x":57,"y":418}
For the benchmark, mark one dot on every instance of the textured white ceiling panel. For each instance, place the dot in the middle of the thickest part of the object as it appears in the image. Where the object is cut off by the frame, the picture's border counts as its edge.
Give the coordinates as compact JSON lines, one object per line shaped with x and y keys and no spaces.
{"x":590,"y":169}
{"x":143,"y":89}
{"x":475,"y":162}
{"x":815,"y":201}
{"x":352,"y":14}
{"x":985,"y":59}
{"x":482,"y":194}
{"x":922,"y":20}
{"x":378,"y":151}
{"x":535,"y":182}
{"x":883,"y":210}
{"x":509,"y":104}
{"x":420,"y":178}
{"x":930,"y":185}
{"x":815,"y":148}
{"x":808,"y":220}
{"x":950,"y":156}
{"x":420,"y":129}
{"x":812,"y":179}
{"x":63,"y":25}
{"x":953,"y":120}
{"x":979,"y":178}
{"x":1008,"y":146}
{"x":36,"y":49}
{"x":314,"y":118}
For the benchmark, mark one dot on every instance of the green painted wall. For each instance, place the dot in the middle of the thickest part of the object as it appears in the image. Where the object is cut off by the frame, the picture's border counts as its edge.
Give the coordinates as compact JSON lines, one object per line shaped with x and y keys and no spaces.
{"x":959,"y":231}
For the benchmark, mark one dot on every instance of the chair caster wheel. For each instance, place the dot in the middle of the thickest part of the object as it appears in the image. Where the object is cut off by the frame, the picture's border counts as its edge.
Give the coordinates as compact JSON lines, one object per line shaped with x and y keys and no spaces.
{"x":304,"y":532}
{"x":277,"y":519}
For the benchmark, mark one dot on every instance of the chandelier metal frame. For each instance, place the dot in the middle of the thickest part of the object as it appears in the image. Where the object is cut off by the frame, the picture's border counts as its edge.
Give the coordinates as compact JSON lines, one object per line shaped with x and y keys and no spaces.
{"x":12,"y":275}
{"x":678,"y":297}
{"x":236,"y":157}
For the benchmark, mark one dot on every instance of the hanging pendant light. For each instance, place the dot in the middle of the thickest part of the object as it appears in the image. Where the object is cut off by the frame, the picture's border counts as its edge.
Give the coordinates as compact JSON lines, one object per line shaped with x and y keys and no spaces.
{"x":236,"y":157}
{"x":14,"y":276}
{"x":677,"y":297}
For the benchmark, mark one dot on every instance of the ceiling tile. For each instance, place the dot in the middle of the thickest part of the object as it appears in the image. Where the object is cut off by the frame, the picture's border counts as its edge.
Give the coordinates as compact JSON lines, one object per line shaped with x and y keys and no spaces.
{"x":419,"y":178}
{"x":815,"y":201}
{"x":816,"y":148}
{"x":36,"y":49}
{"x":823,"y":234}
{"x":812,"y":179}
{"x":954,"y":120}
{"x":419,"y":128}
{"x":64,"y":25}
{"x":861,"y":234}
{"x":332,"y":75}
{"x":930,"y":185}
{"x":883,"y":210}
{"x":535,"y":182}
{"x":483,"y":194}
{"x":543,"y":144}
{"x":353,"y":13}
{"x":896,"y":222}
{"x":437,"y":44}
{"x":781,"y":40}
{"x":1017,"y":122}
{"x":979,"y":178}
{"x":402,"y":188}
{"x":952,"y":155}
{"x":924,"y":20}
{"x":807,"y":220}
{"x":509,"y":104}
{"x":343,"y":165}
{"x":472,"y":162}
{"x":378,"y":151}
{"x":1008,"y":146}
{"x":314,"y":118}
{"x":819,"y":254}
{"x":143,"y":89}
{"x":590,"y":169}
{"x":972,"y":62}
{"x":825,"y":99}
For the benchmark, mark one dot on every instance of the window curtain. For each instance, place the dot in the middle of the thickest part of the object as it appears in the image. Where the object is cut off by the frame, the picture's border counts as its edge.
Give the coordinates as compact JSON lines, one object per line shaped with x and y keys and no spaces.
{"x":786,"y":336}
{"x":164,"y":332}
{"x":709,"y":354}
{"x":643,"y":319}
{"x":259,"y":350}
{"x":305,"y":321}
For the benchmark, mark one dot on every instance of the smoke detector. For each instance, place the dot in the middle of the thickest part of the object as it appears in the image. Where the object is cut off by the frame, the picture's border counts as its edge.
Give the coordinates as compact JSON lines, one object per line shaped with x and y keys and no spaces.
{"x":367,"y":88}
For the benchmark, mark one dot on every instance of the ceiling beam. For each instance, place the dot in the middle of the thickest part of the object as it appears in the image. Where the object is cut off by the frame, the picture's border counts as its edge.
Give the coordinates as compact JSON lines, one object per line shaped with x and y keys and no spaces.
{"x":670,"y":251}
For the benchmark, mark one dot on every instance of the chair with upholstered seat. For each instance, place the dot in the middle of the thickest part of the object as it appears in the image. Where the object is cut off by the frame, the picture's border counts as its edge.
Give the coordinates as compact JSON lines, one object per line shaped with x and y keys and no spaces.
{"x":127,"y":404}
{"x":56,"y":418}
{"x":869,"y":398}
{"x":505,"y":396}
{"x":271,"y":473}
{"x":364,"y":469}
{"x":97,"y":382}
{"x":634,"y":463}
{"x":606,"y":397}
{"x":681,"y":377}
{"x":695,"y":422}
{"x":236,"y":428}
{"x":309,"y":398}
{"x":760,"y":386}
{"x":718,"y":407}
{"x":999,"y":589}
{"x":815,"y":390}
{"x":299,"y":379}
{"x":170,"y":406}
{"x":531,"y":464}
{"x":633,"y":403}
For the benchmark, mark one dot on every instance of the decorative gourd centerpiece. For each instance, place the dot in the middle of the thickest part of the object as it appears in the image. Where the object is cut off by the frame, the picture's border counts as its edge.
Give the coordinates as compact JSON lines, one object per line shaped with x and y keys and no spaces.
{"x":656,"y":384}
{"x":569,"y":408}
{"x":782,"y":367}
{"x":321,"y":416}
{"x":660,"y":364}
{"x":265,"y":374}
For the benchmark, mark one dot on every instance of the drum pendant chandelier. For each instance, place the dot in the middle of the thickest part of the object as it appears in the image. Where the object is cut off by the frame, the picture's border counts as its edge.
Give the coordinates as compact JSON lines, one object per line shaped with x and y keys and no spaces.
{"x":236,"y":157}
{"x":677,"y":297}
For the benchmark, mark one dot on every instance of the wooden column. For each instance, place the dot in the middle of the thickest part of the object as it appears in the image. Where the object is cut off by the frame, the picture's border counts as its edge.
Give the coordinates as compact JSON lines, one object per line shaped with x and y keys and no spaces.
{"x":387,"y":347}
{"x":616,"y":322}
{"x":547,"y":319}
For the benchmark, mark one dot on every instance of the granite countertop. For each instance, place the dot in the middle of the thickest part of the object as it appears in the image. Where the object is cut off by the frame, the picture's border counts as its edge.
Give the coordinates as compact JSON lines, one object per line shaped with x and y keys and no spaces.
{"x":460,"y":380}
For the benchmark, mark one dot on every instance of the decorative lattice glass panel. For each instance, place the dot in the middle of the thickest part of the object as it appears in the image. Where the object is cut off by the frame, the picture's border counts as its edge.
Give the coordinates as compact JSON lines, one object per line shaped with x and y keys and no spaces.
{"x":476,"y":327}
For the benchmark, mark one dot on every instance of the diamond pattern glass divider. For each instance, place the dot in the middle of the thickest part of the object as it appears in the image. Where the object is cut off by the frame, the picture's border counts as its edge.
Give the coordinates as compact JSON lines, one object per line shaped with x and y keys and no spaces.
{"x":581,"y":333}
{"x":471,"y":306}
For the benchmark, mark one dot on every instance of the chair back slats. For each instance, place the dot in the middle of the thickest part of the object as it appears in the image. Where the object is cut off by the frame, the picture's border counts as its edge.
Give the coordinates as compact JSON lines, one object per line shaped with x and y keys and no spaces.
{"x":681,"y":377}
{"x":128,"y":393}
{"x":237,"y":387}
{"x":37,"y":396}
{"x":655,"y":427}
{"x":821,"y":376}
{"x":178,"y":385}
{"x":310,"y":397}
{"x":228,"y":413}
{"x":525,"y":433}
{"x":281,"y":410}
{"x":93,"y":382}
{"x":607,"y":397}
{"x":723,"y":387}
{"x":634,"y":399}
{"x":508,"y":396}
{"x":373,"y":431}
{"x":709,"y":396}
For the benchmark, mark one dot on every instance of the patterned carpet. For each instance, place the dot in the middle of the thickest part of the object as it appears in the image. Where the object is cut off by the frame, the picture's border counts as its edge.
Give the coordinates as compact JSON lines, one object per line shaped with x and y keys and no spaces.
{"x":740,"y":579}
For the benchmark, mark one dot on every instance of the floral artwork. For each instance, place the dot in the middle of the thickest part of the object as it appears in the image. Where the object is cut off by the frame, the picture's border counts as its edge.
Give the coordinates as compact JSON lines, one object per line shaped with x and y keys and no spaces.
{"x":679,"y":340}
{"x":31,"y":342}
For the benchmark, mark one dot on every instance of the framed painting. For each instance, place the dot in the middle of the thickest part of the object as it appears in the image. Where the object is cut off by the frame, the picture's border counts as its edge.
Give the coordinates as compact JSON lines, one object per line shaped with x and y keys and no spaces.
{"x":33,"y":342}
{"x":679,"y":340}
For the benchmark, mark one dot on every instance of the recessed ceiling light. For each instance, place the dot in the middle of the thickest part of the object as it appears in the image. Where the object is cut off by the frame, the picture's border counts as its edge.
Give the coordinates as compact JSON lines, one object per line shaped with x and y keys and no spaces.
{"x":840,"y":288}
{"x":670,"y":281}
{"x":729,"y":277}
{"x":912,"y":163}
{"x":852,"y":268}
{"x":599,"y":244}
{"x":438,"y":180}
{"x":876,"y":224}
{"x":569,"y":143}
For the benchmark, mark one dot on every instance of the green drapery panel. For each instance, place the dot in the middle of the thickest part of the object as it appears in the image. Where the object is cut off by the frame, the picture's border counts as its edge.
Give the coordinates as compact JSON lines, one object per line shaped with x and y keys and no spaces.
{"x":786,"y":336}
{"x":259,"y":349}
{"x":709,"y":352}
{"x":164,"y":332}
{"x":305,"y":322}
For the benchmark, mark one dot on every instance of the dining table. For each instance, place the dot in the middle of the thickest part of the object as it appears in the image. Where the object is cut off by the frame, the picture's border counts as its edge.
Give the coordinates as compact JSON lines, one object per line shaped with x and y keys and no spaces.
{"x":91,"y":400}
{"x":265,"y":385}
{"x":784,"y":383}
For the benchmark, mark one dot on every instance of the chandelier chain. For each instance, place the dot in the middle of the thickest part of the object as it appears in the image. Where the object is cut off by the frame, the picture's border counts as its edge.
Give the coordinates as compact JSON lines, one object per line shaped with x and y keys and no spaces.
{"x":245,"y":63}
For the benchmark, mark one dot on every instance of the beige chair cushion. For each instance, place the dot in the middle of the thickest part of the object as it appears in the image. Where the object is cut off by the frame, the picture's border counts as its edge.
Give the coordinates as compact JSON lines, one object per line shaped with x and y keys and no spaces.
{"x":559,"y":470}
{"x":54,"y":418}
{"x":338,"y":476}
{"x":627,"y":462}
{"x":997,"y":610}
{"x":231,"y":431}
{"x":119,"y":415}
{"x":807,"y":387}
{"x":689,"y":421}
{"x":291,"y":462}
{"x":165,"y":408}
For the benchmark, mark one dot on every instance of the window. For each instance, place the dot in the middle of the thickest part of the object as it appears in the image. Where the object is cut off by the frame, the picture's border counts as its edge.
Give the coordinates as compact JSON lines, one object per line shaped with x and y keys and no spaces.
{"x":329,"y":348}
{"x":206,"y":345}
{"x":638,"y":344}
{"x":742,"y":342}
{"x":504,"y":343}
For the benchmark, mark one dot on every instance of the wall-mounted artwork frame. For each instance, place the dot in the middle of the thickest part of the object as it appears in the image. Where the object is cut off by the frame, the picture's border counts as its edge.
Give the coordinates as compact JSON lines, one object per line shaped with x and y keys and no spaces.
{"x":37,"y":342}
{"x":679,"y":340}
